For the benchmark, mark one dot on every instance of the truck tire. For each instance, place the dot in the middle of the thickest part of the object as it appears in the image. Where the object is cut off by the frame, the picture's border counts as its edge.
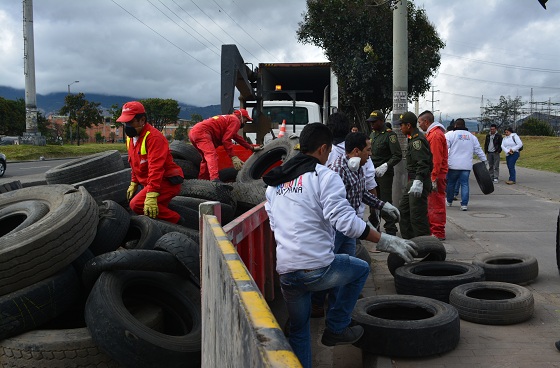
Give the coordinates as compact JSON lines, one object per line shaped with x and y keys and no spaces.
{"x":228,"y":212}
{"x":185,"y":250}
{"x":228,"y":175}
{"x":85,"y":168}
{"x":483,"y":178}
{"x":185,"y":151}
{"x":8,"y":187}
{"x":168,"y":227}
{"x":43,"y":248}
{"x":206,"y":189}
{"x":406,"y":326}
{"x":273,"y":154}
{"x":142,"y":233}
{"x":190,"y":170}
{"x":111,"y":186}
{"x":248,"y":195}
{"x":430,"y":248}
{"x":113,"y":225}
{"x":20,"y":215}
{"x":508,"y":267}
{"x":130,"y":342}
{"x":435,"y":279}
{"x":492,"y":303}
{"x":189,"y":215}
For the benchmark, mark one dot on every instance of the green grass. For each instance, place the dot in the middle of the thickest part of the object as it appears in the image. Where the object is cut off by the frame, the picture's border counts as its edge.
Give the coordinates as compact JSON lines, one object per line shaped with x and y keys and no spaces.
{"x":26,"y":152}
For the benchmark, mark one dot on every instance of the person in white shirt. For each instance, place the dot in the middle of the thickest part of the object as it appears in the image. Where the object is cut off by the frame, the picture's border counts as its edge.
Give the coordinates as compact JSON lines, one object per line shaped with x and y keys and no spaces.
{"x":511,"y":145}
{"x":461,"y":145}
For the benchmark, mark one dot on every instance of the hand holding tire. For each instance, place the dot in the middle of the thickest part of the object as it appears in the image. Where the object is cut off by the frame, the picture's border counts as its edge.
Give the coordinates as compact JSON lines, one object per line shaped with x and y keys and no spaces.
{"x":406,"y":249}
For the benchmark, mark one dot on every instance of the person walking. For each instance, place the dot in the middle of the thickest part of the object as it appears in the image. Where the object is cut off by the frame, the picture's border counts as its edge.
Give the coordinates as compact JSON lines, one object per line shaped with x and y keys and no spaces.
{"x":492,"y":149}
{"x":151,"y":166}
{"x":305,"y":259}
{"x":414,"y":202}
{"x":217,"y":131}
{"x":511,"y":145}
{"x":435,"y":134}
{"x":461,"y":145}
{"x":386,"y":153}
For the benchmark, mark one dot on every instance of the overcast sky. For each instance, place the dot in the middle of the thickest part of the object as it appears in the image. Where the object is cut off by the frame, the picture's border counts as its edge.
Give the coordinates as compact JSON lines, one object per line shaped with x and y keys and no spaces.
{"x":171,"y":48}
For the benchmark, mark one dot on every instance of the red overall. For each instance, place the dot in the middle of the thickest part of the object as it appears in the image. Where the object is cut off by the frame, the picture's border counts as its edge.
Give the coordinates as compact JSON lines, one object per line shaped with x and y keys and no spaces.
{"x":208,"y":134}
{"x":436,"y":200}
{"x":151,"y":164}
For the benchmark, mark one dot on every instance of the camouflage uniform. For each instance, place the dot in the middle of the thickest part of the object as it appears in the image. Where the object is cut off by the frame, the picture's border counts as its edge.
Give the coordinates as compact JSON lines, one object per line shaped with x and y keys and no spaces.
{"x":414,"y":211}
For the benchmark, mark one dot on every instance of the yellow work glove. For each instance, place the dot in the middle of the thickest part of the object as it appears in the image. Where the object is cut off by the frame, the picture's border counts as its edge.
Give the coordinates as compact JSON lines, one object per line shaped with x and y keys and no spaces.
{"x":237,"y":163}
{"x":150,"y":205}
{"x":131,"y":190}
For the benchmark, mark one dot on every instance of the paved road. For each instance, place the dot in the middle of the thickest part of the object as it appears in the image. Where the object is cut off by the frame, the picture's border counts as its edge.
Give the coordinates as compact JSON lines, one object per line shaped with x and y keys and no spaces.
{"x":24,"y":168}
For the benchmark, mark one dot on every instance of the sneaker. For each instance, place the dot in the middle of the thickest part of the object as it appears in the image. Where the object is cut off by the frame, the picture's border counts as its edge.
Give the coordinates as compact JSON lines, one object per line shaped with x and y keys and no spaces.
{"x":495,"y":181}
{"x":317,"y":311}
{"x":463,"y":208}
{"x":455,"y":198}
{"x":449,"y":204}
{"x":509,"y":182}
{"x":349,"y":336}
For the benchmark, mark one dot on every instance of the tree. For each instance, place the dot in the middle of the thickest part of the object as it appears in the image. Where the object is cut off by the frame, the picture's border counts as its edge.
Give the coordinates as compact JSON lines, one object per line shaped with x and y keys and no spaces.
{"x":12,"y":116}
{"x":180,"y":133}
{"x":357,"y":38}
{"x":82,"y":112}
{"x":537,"y":128}
{"x":195,"y":118}
{"x":161,"y":111}
{"x":503,"y":114}
{"x":115,"y":111}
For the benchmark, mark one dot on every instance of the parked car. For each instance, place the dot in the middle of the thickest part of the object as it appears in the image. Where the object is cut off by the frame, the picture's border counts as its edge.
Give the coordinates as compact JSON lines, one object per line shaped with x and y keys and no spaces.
{"x":2,"y":164}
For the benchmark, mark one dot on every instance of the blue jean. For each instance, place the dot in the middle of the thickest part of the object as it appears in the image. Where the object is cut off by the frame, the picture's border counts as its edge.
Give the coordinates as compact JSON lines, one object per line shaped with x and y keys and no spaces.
{"x":461,"y":176}
{"x":510,"y":161}
{"x":346,"y":272}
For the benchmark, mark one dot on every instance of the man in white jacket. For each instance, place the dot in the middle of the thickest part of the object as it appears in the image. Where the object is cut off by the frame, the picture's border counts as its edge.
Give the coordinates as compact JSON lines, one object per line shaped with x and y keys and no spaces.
{"x":461,"y":145}
{"x":306,"y":203}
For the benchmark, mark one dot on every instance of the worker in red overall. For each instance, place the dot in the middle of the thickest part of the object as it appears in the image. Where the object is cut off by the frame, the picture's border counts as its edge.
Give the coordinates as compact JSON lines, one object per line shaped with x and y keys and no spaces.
{"x":152,"y":166}
{"x":216,"y":131}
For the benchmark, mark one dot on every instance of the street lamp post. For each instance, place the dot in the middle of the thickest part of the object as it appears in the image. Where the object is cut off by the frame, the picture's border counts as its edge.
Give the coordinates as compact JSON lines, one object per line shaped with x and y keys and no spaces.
{"x":69,"y":115}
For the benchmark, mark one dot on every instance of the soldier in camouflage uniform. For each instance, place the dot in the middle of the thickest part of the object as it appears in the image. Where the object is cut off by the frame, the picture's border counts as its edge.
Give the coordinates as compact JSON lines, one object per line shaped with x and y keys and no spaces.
{"x":385,"y":154}
{"x":414,"y":202}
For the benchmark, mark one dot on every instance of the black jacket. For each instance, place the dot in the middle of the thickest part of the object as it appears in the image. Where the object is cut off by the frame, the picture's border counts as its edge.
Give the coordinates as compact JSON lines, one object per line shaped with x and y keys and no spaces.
{"x":497,"y":143}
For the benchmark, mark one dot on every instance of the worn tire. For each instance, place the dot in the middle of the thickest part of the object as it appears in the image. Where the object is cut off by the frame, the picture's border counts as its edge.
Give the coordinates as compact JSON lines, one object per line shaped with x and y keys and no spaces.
{"x":85,"y":168}
{"x":228,"y":212}
{"x":190,"y":170}
{"x":186,"y":250}
{"x":492,"y":303}
{"x":228,"y":175}
{"x":20,"y":215}
{"x":185,"y":151}
{"x":435,"y":279}
{"x":111,"y":186}
{"x":430,"y":248}
{"x":274,"y":153}
{"x":167,"y":227}
{"x":143,"y":232}
{"x":41,"y":249}
{"x":406,"y":326}
{"x":508,"y":267}
{"x":248,"y":195}
{"x":112,"y":228}
{"x":28,"y":308}
{"x":206,"y":189}
{"x":188,"y":214}
{"x":8,"y":187}
{"x":130,"y":342}
{"x":483,"y":178}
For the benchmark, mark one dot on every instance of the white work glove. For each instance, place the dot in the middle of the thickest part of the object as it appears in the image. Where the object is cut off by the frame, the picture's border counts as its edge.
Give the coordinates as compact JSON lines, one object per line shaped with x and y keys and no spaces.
{"x":381,"y":170}
{"x":391,"y":211}
{"x":257,"y":148}
{"x":237,"y":163}
{"x":406,"y":249}
{"x":434,"y":186}
{"x":416,"y":189}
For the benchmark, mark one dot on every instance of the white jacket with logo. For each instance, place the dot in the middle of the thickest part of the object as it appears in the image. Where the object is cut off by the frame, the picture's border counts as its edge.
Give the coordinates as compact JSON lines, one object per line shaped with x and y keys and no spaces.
{"x":304,"y":213}
{"x":511,"y":142}
{"x":461,"y":145}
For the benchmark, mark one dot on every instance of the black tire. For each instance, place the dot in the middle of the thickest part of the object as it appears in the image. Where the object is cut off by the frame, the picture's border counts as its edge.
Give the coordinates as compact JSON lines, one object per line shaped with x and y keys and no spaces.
{"x":430,"y":248}
{"x":435,"y":279}
{"x":189,"y":215}
{"x":186,"y":250}
{"x":85,"y":168}
{"x":130,"y":260}
{"x":8,"y":187}
{"x":64,"y":346}
{"x":185,"y":151}
{"x":167,"y":227}
{"x":190,"y":170}
{"x":130,"y":342}
{"x":362,"y":253}
{"x":228,"y":212}
{"x":21,"y":214}
{"x":111,"y":186}
{"x":273,"y":153}
{"x":406,"y":326}
{"x":2,"y":167}
{"x":142,"y":233}
{"x":50,"y":244}
{"x":492,"y":303}
{"x":558,"y":241}
{"x":125,"y":161}
{"x":28,"y":308}
{"x":112,"y":228}
{"x":206,"y":189}
{"x":508,"y":267}
{"x":248,"y":195}
{"x":228,"y":175}
{"x":483,"y":178}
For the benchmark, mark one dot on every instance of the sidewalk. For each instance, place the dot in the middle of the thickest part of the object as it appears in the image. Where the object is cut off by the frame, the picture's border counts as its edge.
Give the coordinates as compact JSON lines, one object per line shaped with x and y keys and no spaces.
{"x":518,"y":218}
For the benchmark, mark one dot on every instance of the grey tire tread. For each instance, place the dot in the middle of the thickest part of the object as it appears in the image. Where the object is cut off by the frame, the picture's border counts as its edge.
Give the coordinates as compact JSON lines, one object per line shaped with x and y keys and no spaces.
{"x":8,"y":187}
{"x":205,"y":189}
{"x":514,"y":268}
{"x":85,"y":168}
{"x":186,"y":250}
{"x":185,"y":151}
{"x":113,"y":225}
{"x":111,"y":186}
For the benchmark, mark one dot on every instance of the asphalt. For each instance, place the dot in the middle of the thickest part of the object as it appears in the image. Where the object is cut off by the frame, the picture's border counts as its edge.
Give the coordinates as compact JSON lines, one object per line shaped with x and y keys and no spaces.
{"x":518,"y":218}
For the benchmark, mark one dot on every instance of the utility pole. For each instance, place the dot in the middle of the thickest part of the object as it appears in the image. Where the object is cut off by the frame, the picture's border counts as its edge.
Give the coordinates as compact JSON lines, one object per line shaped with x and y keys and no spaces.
{"x":432,"y":100}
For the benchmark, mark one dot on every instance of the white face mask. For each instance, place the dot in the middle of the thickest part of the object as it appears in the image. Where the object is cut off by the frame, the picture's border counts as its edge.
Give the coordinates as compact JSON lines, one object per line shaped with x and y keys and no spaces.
{"x":354,"y":163}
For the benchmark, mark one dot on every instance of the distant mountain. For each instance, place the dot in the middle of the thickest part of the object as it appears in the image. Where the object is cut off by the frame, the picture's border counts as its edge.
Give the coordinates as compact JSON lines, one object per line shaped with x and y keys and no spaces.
{"x":53,"y":102}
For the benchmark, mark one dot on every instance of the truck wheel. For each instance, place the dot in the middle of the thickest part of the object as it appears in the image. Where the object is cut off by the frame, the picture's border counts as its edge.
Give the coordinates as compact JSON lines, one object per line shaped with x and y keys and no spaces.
{"x":185,"y":250}
{"x":273,"y":154}
{"x":435,"y":279}
{"x":85,"y":168}
{"x":483,"y":178}
{"x":113,"y":225}
{"x":492,"y":303}
{"x":406,"y":326}
{"x":430,"y":248}
{"x":20,"y":215}
{"x":130,"y":342}
{"x":508,"y":267}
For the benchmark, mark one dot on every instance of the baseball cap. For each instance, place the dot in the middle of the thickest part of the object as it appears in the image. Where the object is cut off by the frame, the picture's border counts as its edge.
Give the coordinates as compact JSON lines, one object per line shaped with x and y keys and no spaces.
{"x":130,"y":110}
{"x":243,"y":113}
{"x":376,"y":115}
{"x":408,"y":117}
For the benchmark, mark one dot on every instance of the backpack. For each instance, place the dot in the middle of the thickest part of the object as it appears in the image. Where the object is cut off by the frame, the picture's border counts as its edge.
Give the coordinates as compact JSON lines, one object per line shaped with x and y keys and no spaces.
{"x":521,"y":149}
